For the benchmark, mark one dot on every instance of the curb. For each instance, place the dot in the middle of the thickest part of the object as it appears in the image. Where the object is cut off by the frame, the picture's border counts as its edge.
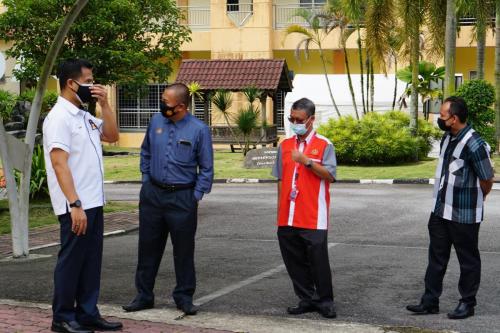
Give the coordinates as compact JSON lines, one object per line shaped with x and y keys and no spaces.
{"x":273,"y":181}
{"x":398,"y":181}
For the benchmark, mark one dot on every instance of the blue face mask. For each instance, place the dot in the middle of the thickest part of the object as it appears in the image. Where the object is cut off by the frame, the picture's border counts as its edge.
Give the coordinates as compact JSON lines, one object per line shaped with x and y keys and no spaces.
{"x":299,"y":129}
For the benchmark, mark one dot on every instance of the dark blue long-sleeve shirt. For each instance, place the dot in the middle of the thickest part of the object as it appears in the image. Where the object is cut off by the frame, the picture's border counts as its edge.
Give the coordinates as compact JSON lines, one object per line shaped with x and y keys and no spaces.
{"x":178,"y":153}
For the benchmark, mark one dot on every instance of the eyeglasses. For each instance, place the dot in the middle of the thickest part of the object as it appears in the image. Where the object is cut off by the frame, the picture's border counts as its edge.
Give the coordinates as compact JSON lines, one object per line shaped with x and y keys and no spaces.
{"x":297,"y":121}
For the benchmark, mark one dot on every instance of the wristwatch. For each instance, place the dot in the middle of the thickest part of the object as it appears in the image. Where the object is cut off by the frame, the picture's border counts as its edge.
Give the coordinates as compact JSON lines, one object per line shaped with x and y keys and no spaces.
{"x":309,"y":163}
{"x":76,"y":204}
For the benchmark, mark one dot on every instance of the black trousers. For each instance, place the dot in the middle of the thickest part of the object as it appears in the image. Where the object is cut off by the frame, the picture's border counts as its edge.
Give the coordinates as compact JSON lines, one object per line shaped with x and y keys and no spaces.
{"x":162,"y":213}
{"x":464,"y":237}
{"x":77,"y":275}
{"x":305,"y":253}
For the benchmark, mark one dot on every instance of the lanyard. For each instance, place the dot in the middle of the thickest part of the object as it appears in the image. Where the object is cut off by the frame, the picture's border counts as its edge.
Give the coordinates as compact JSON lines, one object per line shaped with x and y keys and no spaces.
{"x":305,"y":151}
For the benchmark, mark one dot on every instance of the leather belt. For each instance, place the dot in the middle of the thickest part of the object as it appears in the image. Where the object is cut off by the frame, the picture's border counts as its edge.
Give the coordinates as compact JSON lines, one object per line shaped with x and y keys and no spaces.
{"x":172,"y":187}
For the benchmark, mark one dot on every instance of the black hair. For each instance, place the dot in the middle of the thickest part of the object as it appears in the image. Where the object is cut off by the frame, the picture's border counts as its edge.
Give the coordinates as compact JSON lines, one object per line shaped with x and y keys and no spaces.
{"x":458,"y":107}
{"x":181,"y":92}
{"x":306,"y":105}
{"x":71,"y":69}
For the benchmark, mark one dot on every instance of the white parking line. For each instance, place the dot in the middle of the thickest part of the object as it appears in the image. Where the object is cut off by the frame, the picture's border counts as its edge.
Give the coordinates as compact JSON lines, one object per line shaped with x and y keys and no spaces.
{"x":241,"y":284}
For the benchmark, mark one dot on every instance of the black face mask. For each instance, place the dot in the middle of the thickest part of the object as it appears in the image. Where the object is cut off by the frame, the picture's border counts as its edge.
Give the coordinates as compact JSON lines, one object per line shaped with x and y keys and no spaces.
{"x":442,"y":124}
{"x":84,"y":93}
{"x":167,"y":111}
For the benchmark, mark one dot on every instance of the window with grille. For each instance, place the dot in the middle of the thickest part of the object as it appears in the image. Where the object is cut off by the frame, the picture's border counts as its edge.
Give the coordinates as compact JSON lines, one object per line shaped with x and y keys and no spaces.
{"x":137,"y":106}
{"x":199,"y":111}
{"x":279,"y":111}
{"x":312,"y":3}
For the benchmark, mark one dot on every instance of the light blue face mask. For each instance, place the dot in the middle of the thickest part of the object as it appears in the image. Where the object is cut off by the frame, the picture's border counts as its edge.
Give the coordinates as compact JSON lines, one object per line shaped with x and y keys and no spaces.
{"x":299,"y":129}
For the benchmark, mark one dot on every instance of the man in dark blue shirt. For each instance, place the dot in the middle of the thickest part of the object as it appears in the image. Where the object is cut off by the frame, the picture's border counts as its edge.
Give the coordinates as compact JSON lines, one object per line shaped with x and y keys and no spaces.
{"x":177,"y":169}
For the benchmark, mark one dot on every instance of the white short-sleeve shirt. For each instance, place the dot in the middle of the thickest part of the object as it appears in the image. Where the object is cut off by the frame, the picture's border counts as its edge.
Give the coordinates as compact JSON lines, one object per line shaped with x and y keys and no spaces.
{"x":78,"y":133}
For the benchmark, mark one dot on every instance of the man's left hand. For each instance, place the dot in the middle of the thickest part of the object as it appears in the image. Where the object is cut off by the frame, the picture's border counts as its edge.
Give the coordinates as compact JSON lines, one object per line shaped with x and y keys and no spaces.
{"x":299,"y":157}
{"x":99,"y":91}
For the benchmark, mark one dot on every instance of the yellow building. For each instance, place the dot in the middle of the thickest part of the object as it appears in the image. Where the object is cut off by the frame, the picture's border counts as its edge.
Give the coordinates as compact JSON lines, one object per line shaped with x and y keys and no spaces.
{"x":246,"y":29}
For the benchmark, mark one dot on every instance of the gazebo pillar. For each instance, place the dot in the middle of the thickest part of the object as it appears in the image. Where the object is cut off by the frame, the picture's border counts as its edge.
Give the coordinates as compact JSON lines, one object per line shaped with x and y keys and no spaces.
{"x":263,"y":114}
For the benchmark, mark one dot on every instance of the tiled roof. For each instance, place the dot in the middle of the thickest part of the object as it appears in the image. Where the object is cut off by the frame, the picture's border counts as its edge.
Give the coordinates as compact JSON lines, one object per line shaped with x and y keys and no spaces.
{"x":265,"y":74}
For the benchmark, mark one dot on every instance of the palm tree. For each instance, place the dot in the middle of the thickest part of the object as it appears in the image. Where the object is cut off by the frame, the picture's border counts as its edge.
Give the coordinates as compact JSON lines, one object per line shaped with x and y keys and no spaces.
{"x":318,"y":28}
{"x":497,"y":71}
{"x":336,"y":10}
{"x":194,"y":92}
{"x":395,"y":44}
{"x":450,"y":48}
{"x":429,"y":75}
{"x":223,"y":100}
{"x":247,"y":121}
{"x":481,"y":10}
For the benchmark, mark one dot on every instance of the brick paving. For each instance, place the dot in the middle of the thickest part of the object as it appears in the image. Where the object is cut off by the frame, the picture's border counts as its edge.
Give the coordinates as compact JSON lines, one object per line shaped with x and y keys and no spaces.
{"x":17,"y":319}
{"x":126,"y":221}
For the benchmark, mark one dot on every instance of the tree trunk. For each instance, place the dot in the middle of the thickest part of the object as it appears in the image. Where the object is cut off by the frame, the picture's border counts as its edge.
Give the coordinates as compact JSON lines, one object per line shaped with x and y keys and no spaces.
{"x":351,"y":88}
{"x":235,"y":137}
{"x":361,"y":69}
{"x":18,"y":234}
{"x":395,"y":82}
{"x":322,"y":56}
{"x":19,"y":210}
{"x":415,"y":56}
{"x":372,"y":86}
{"x":450,"y":48}
{"x":367,"y":84}
{"x":481,"y":46}
{"x":497,"y":74}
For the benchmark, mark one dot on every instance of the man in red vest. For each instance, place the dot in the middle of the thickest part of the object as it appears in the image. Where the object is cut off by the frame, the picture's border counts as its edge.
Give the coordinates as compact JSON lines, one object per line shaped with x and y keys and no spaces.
{"x":305,"y":167}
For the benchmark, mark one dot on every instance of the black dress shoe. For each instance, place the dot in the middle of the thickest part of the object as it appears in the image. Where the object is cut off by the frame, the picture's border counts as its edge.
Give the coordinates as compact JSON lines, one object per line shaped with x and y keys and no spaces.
{"x":188,"y":308}
{"x":327,"y":311}
{"x":423,"y":309}
{"x":462,"y":311}
{"x":138,"y":306}
{"x":100,"y":324}
{"x":301,"y":308}
{"x":68,"y":327}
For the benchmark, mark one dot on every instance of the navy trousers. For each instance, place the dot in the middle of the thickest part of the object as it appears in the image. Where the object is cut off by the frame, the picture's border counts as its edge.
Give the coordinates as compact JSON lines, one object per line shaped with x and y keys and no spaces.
{"x":162,"y":212}
{"x":77,"y":274}
{"x":305,"y":254}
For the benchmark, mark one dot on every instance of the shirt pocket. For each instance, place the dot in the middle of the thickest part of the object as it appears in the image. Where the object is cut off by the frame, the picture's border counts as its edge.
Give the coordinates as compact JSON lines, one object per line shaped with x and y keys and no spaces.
{"x":184,"y":151}
{"x":457,"y":170}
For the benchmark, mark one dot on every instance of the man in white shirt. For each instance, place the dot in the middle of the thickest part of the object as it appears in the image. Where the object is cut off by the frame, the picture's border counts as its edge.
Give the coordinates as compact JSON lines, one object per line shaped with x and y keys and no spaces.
{"x":75,"y":174}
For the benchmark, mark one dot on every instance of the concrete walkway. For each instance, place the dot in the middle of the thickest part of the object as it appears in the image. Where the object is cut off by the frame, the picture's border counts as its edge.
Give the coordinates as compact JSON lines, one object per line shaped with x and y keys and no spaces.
{"x":36,"y":317}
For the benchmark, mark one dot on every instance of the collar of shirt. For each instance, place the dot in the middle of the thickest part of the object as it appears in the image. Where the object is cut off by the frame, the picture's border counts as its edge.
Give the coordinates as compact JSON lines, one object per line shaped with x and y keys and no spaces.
{"x":72,"y":108}
{"x":461,"y":133}
{"x":180,"y":123}
{"x":308,"y":138}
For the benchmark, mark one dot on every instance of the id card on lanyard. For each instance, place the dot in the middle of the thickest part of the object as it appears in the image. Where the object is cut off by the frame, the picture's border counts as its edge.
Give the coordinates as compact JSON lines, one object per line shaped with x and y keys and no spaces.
{"x":305,"y":149}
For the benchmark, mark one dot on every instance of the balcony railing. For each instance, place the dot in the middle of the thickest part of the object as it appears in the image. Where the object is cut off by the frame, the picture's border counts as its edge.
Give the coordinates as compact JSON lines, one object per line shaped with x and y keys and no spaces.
{"x":197,"y":18}
{"x":470,"y":21}
{"x":284,"y":14}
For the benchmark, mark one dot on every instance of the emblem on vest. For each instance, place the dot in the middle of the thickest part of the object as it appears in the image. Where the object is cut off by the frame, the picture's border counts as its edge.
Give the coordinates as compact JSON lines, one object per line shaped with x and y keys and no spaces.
{"x":159,"y":130}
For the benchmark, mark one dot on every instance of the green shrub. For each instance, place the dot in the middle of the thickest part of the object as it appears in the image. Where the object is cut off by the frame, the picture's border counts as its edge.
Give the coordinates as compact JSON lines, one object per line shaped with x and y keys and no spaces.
{"x":38,"y":182}
{"x":7,"y":102}
{"x":480,"y":96}
{"x":49,"y":99}
{"x":379,"y":138}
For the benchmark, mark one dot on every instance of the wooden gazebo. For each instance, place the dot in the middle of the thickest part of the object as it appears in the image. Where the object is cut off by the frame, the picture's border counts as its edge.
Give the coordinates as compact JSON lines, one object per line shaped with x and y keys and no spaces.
{"x":269,"y":75}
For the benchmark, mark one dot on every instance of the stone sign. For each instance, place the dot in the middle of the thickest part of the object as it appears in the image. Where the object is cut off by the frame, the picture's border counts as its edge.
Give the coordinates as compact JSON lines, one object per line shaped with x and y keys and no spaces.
{"x":261,"y":158}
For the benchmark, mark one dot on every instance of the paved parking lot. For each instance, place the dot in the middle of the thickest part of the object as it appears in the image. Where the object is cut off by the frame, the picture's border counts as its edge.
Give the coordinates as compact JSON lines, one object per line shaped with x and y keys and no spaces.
{"x":378,"y":248}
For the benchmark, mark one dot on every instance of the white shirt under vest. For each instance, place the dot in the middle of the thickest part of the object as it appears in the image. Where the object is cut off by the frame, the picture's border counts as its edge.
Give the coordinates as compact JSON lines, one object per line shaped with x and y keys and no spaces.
{"x":78,"y":133}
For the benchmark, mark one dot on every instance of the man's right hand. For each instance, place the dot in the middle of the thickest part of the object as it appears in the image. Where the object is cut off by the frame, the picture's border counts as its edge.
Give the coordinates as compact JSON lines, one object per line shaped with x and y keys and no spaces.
{"x":79,"y":221}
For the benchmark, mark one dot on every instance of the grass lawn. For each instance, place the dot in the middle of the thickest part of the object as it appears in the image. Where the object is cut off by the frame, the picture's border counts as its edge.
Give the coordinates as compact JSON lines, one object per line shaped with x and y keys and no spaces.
{"x":230,"y":165}
{"x":41,"y":213}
